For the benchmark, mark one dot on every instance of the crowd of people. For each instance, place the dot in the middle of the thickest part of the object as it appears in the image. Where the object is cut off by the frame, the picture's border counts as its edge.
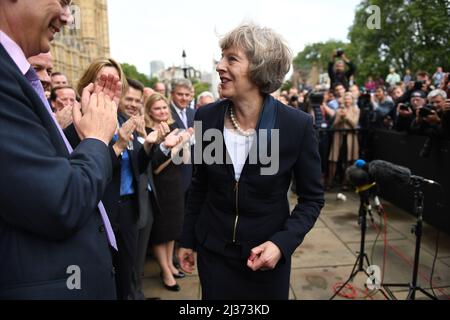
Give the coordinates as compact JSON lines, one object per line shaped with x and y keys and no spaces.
{"x":90,"y":182}
{"x":346,"y":113}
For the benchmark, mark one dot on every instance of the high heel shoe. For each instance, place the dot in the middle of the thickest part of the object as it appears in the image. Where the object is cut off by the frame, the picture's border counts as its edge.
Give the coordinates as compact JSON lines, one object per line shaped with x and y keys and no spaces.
{"x":175,"y":288}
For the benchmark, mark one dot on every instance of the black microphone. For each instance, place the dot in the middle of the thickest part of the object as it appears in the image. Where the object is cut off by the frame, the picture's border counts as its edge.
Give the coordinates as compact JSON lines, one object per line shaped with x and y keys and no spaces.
{"x":357,"y":176}
{"x":386,"y":172}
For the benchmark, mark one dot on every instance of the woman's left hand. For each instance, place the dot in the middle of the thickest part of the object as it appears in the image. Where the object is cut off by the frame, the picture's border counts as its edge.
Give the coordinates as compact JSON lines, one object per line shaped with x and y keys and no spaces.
{"x":264,"y":257}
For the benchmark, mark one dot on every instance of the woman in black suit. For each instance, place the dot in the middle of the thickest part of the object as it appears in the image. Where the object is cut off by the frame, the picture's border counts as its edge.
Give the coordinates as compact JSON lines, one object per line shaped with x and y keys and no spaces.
{"x":237,"y":217}
{"x":168,"y":220}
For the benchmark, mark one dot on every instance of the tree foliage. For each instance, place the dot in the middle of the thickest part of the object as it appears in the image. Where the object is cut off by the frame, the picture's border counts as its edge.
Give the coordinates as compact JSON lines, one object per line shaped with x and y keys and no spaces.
{"x":414,"y":35}
{"x":200,"y":87}
{"x":131,"y":72}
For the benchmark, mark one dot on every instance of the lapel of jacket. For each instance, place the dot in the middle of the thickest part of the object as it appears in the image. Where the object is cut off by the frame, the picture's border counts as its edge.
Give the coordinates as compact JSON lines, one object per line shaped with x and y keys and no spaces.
{"x":266,"y":123}
{"x":37,"y":104}
{"x":190,"y":114}
{"x":176,"y":117}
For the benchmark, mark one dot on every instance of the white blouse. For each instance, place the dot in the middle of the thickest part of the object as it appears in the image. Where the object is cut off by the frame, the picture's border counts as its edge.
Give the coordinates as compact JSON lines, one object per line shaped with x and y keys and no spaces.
{"x":238,"y":147}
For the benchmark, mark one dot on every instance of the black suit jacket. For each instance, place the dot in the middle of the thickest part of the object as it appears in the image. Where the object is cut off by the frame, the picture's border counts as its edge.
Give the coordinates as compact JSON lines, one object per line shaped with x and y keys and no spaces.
{"x":49,"y":219}
{"x":221,"y":211}
{"x":142,"y":177}
{"x":186,"y":169}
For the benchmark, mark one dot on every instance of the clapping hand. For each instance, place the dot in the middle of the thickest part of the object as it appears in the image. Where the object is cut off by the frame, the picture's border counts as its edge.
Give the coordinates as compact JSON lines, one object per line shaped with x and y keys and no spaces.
{"x":64,"y":116}
{"x":125,"y":135}
{"x":140,"y":126}
{"x":156,"y":136}
{"x":96,"y":117}
{"x":176,"y":138}
{"x":110,"y":85}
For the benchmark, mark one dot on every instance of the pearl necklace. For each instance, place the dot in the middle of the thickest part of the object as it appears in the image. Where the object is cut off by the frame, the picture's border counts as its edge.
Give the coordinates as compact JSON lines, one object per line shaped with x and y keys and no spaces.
{"x":237,"y":127}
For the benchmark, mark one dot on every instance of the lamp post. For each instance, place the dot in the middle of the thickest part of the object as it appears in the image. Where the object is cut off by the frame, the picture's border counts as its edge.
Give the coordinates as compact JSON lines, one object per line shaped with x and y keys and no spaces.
{"x":185,"y":67}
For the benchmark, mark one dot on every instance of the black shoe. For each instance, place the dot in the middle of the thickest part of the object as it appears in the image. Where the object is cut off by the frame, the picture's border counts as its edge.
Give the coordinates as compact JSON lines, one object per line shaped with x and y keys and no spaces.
{"x":180,"y":275}
{"x":176,"y":287}
{"x":153,"y":298}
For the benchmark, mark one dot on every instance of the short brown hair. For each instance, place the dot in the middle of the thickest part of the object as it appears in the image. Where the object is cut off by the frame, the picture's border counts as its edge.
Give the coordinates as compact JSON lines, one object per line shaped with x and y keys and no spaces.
{"x":90,"y":75}
{"x":270,"y":57}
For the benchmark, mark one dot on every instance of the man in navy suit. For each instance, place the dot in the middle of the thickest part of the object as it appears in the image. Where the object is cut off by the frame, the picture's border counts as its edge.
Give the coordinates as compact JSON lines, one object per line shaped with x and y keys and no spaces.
{"x":55,"y":236}
{"x":181,"y":97}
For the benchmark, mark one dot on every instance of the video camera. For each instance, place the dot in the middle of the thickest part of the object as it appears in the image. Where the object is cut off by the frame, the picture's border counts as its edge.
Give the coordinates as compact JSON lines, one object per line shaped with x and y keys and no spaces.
{"x":405,"y":106}
{"x":426,"y":111}
{"x":316,"y":98}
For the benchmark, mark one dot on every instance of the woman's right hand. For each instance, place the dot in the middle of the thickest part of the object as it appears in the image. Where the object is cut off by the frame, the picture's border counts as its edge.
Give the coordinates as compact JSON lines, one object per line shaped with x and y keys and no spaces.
{"x":186,"y":258}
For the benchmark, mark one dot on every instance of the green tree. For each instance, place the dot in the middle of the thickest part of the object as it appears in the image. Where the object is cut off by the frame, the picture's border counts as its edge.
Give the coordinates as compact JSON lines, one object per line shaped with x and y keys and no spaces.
{"x":287,"y":85}
{"x":414,"y":35}
{"x":131,"y":72}
{"x":199,"y":87}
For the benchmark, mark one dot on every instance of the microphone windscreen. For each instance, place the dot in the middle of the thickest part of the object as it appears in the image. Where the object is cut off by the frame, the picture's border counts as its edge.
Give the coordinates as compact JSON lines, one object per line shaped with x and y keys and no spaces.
{"x":360,"y":163}
{"x":386,"y":172}
{"x":357,"y":176}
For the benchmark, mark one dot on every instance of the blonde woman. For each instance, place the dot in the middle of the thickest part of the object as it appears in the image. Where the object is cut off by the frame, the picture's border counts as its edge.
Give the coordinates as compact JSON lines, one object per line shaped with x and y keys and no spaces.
{"x":168,"y":220}
{"x":347,"y":117}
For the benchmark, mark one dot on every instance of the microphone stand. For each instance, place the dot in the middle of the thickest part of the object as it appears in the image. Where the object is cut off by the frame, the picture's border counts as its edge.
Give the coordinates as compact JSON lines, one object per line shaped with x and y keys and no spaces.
{"x":364,"y":208}
{"x":417,"y":230}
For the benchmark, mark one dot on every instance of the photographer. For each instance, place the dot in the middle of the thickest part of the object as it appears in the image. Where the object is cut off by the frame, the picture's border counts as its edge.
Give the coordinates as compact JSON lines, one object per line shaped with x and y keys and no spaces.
{"x":406,"y":112}
{"x":430,"y":116}
{"x":422,"y":83}
{"x":384,"y":109}
{"x":323,"y":117}
{"x":336,"y":69}
{"x":432,"y":120}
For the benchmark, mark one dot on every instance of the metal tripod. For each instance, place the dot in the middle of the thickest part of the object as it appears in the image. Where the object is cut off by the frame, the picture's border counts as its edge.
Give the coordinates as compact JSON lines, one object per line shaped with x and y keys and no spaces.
{"x":364,"y":209}
{"x":417,"y":230}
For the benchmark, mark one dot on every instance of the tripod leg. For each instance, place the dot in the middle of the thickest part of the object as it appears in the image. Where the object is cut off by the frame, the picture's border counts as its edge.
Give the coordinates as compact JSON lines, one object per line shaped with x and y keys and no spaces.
{"x":352,"y":275}
{"x":427,"y":294}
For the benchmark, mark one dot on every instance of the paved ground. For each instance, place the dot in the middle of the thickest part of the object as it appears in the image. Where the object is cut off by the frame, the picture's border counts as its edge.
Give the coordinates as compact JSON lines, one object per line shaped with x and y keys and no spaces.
{"x":329,"y":252}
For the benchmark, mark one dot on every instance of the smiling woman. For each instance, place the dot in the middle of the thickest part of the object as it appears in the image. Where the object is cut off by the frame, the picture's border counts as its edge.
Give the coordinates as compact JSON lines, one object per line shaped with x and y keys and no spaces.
{"x":237,"y":217}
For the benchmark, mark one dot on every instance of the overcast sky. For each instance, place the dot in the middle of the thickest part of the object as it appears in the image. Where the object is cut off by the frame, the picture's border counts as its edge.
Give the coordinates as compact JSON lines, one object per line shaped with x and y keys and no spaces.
{"x":146,"y":30}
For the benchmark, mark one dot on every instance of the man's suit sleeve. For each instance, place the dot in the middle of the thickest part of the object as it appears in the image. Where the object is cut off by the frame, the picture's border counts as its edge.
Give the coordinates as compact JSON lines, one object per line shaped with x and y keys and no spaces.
{"x":196,"y":199}
{"x":41,"y":191}
{"x":307,"y":172}
{"x":72,"y":136}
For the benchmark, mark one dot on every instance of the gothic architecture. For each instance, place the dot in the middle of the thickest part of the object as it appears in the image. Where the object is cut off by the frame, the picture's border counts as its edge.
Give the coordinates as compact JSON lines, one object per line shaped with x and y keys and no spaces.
{"x":75,"y":47}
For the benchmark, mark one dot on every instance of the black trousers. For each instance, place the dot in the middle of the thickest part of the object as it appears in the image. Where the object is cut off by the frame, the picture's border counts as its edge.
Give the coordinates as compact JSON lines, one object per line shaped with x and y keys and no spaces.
{"x":126,"y":236}
{"x":225,"y":278}
{"x":141,"y":253}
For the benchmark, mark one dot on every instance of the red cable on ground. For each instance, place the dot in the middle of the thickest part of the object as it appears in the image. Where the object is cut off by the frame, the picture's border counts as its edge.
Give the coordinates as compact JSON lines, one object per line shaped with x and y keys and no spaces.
{"x":353,"y":294}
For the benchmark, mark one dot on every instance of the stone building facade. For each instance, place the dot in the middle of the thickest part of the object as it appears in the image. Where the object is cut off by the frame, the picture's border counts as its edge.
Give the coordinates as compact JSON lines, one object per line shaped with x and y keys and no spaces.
{"x":75,"y":48}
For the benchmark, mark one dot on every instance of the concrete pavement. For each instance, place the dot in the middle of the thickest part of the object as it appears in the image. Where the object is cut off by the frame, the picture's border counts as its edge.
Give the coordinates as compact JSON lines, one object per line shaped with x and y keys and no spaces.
{"x":329,"y":252}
